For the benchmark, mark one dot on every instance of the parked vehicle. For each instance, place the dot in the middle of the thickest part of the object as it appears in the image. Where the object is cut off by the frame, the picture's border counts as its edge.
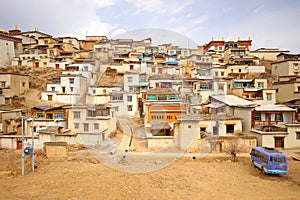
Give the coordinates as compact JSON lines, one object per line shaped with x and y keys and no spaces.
{"x":269,"y":160}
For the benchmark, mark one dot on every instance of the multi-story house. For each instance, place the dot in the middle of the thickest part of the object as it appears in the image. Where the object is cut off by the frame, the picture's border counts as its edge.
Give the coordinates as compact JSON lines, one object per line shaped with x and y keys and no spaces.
{"x":286,"y":65}
{"x":287,"y":68}
{"x":274,"y":126}
{"x":219,"y":46}
{"x":161,"y":107}
{"x":46,"y":116}
{"x":8,"y":122}
{"x":11,"y":85}
{"x":92,"y":124}
{"x":125,"y":103}
{"x":166,"y":81}
{"x":66,"y":88}
{"x":134,"y":81}
{"x":267,"y":53}
{"x":101,"y":94}
{"x":255,"y":90}
{"x":10,"y":47}
{"x":231,"y":105}
{"x":87,"y":70}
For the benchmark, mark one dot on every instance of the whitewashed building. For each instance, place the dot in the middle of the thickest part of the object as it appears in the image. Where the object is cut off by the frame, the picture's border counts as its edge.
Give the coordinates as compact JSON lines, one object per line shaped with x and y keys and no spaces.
{"x":69,"y":89}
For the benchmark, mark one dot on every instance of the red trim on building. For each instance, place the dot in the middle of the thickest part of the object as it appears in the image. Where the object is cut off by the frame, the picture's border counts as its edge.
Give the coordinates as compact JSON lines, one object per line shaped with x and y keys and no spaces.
{"x":9,"y":38}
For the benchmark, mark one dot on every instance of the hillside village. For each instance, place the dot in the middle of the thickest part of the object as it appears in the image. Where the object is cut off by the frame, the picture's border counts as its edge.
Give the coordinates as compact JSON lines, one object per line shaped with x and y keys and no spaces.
{"x":88,"y":91}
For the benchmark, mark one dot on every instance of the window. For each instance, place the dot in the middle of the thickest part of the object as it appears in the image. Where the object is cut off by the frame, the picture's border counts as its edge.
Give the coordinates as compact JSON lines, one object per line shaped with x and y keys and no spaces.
{"x":260,"y":85}
{"x":72,"y":89}
{"x":96,"y":126}
{"x":3,"y":84}
{"x":257,"y":117}
{"x":129,"y":108}
{"x":86,"y":68}
{"x":71,"y":80}
{"x":117,"y":98}
{"x":49,"y":116}
{"x":277,"y":159}
{"x":296,"y":66}
{"x":40,"y":115}
{"x":297,"y":135}
{"x":203,"y":87}
{"x":153,"y":70}
{"x":91,"y":113}
{"x":1,"y":92}
{"x":189,"y":126}
{"x":76,"y":125}
{"x":172,"y":98}
{"x":162,"y":98}
{"x":85,"y":127}
{"x":56,"y":81}
{"x":58,"y":116}
{"x":229,"y":128}
{"x":269,"y":96}
{"x":94,"y":91}
{"x":280,"y":117}
{"x":238,"y":85}
{"x":129,"y":98}
{"x":129,"y":79}
{"x":53,"y":89}
{"x":222,"y":73}
{"x":131,"y":67}
{"x":150,"y":97}
{"x":221,"y":87}
{"x":130,"y":88}
{"x":102,"y":112}
{"x":216,"y":73}
{"x":215,"y":130}
{"x":240,"y":70}
{"x":160,"y":70}
{"x":203,"y":129}
{"x":254,"y":96}
{"x":142,"y":78}
{"x":76,"y":114}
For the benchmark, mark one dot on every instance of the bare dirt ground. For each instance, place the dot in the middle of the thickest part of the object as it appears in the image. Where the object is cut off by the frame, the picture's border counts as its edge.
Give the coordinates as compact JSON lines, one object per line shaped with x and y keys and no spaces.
{"x":81,"y":176}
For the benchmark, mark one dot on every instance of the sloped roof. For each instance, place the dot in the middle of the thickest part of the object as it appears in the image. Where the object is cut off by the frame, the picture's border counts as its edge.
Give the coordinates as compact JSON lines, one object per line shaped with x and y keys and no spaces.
{"x":232,"y":100}
{"x":274,"y":108}
{"x":160,"y":125}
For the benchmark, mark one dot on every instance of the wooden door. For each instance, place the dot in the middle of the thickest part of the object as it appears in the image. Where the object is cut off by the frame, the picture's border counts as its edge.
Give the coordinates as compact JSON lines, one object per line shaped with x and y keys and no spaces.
{"x":279,"y":142}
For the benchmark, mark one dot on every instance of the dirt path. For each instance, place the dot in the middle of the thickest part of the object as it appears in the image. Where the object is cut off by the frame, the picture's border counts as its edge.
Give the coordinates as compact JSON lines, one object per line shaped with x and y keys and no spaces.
{"x":80,"y":177}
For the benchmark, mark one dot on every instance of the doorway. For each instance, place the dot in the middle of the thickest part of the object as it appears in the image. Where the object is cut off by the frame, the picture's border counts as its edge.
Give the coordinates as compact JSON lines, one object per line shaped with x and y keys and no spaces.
{"x":279,"y":142}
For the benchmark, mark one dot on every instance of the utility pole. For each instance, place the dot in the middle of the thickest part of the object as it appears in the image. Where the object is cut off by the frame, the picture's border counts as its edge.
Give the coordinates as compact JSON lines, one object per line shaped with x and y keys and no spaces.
{"x":32,"y":143}
{"x":23,"y":153}
{"x":30,"y":151}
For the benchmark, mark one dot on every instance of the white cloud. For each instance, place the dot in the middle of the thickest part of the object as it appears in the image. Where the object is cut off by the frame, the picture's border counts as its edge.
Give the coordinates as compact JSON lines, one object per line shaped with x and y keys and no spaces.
{"x":147,"y":6}
{"x":172,"y":20}
{"x":258,"y":8}
{"x":200,"y":20}
{"x":104,"y":3}
{"x":56,"y":17}
{"x":160,"y":6}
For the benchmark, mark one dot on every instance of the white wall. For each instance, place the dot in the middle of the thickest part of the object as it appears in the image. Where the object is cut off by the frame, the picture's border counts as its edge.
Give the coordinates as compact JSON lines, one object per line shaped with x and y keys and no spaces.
{"x":7,"y":52}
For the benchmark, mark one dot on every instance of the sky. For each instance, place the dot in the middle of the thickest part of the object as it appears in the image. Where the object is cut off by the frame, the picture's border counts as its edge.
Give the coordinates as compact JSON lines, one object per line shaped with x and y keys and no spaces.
{"x":269,"y":23}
